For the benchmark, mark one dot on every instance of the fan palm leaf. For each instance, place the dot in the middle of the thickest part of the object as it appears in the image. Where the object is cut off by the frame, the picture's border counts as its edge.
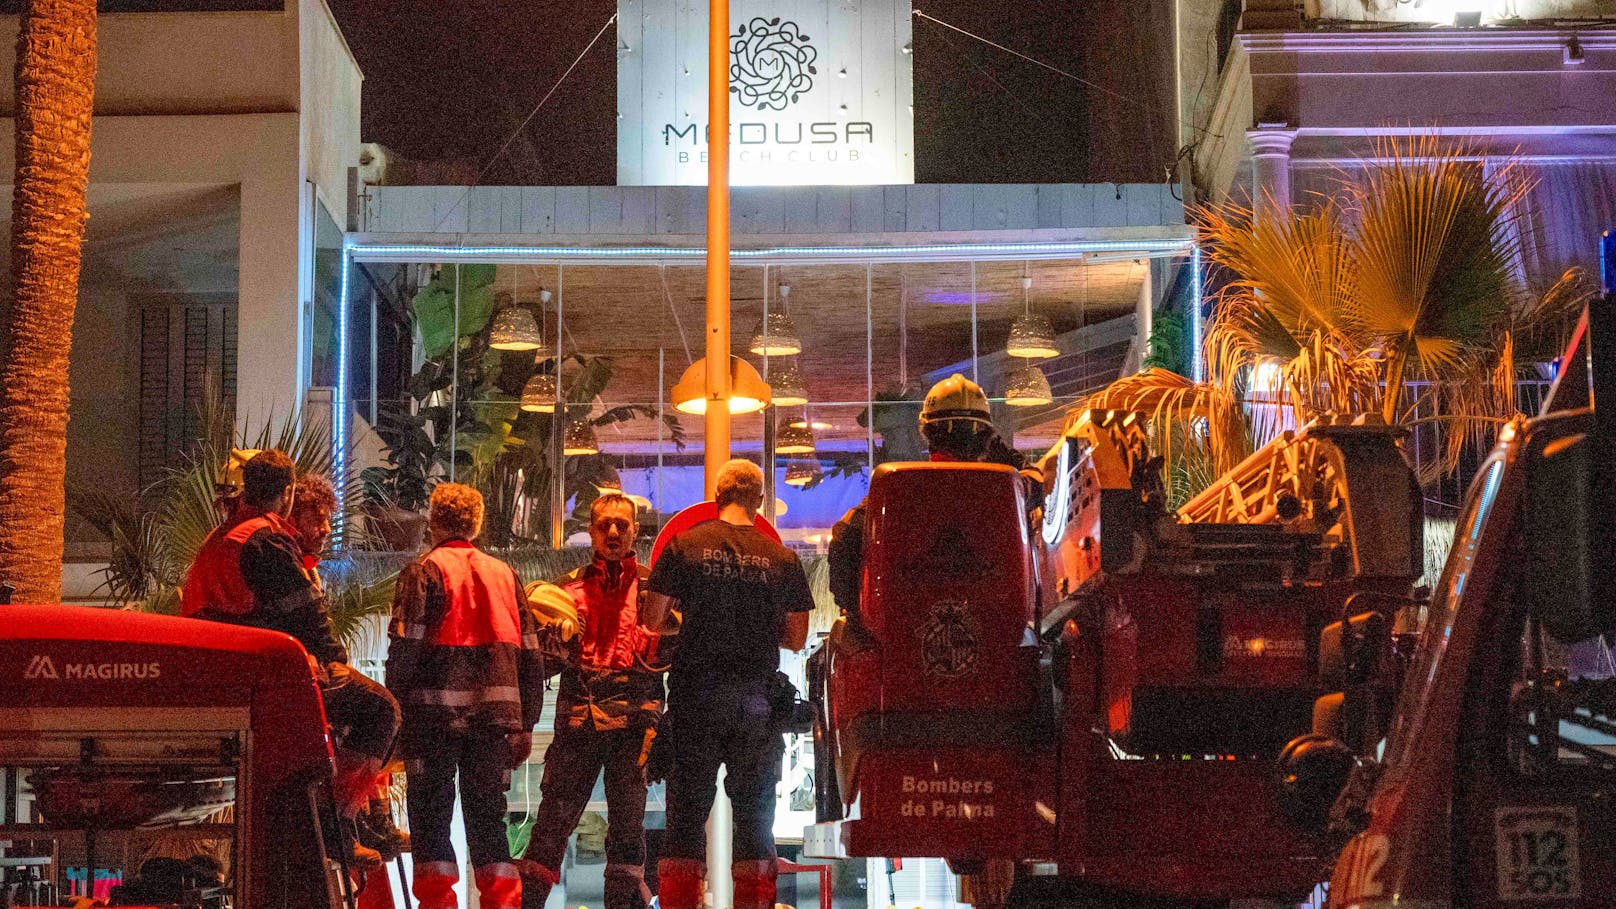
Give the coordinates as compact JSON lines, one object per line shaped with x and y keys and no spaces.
{"x":1432,"y":250}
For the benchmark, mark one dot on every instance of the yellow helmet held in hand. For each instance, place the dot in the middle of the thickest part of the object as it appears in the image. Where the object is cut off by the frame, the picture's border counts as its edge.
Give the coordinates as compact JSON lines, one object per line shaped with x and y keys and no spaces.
{"x":556,"y":614}
{"x":956,"y":398}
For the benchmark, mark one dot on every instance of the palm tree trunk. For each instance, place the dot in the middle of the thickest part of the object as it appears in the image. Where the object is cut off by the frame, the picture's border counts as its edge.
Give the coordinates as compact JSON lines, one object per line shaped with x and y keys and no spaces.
{"x":55,"y":90}
{"x":1396,"y":366}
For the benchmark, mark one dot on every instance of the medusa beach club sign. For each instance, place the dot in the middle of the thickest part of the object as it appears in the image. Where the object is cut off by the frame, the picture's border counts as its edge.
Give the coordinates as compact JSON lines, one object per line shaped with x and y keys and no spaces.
{"x":820,"y":92}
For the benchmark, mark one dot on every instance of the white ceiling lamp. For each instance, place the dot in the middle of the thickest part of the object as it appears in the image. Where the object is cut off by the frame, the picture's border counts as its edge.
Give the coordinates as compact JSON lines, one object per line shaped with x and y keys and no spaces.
{"x":1031,"y":336}
{"x":777,"y":335}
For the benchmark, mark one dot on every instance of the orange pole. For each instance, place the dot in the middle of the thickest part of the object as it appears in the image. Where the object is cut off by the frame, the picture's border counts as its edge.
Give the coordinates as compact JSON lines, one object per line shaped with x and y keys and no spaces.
{"x":717,"y":433}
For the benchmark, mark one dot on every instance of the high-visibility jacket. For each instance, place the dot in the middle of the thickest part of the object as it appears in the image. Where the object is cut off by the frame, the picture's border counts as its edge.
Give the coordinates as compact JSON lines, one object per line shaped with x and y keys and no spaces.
{"x":463,"y":652}
{"x":611,"y":686}
{"x":250,"y":571}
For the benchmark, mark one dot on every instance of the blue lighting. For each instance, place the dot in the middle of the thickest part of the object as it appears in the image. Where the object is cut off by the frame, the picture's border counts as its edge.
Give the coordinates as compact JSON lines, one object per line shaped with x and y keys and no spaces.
{"x":959,"y":251}
{"x":339,"y":402}
{"x":1607,"y":261}
{"x":1197,"y":357}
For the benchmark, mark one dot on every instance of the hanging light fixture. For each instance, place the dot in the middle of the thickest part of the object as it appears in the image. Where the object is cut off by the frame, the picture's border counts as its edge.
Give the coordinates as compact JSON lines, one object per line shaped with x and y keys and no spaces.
{"x":514,"y":326}
{"x":539,"y":394}
{"x":786,"y":382}
{"x":801,"y":473}
{"x":794,"y":440}
{"x":543,"y":351}
{"x":777,"y":334}
{"x":747,"y":390}
{"x":579,"y":439}
{"x":1028,"y":387}
{"x":1031,"y":336}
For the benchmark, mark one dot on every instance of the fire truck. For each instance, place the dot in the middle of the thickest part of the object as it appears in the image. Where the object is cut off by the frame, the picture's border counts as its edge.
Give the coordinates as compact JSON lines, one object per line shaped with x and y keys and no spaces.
{"x":1107,"y":706}
{"x":1497,"y":784}
{"x":142,"y":735}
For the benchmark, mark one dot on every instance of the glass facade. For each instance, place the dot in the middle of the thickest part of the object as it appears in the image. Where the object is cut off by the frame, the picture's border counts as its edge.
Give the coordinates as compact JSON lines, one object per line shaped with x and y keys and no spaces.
{"x":441,"y":387}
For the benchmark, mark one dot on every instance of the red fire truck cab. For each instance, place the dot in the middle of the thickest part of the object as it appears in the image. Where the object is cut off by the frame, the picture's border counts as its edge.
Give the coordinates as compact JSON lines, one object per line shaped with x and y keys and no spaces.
{"x":1497,"y":783}
{"x":143,"y":736}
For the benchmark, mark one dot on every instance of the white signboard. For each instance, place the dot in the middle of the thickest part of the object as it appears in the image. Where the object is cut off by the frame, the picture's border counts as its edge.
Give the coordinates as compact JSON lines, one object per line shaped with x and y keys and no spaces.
{"x":821,"y":92}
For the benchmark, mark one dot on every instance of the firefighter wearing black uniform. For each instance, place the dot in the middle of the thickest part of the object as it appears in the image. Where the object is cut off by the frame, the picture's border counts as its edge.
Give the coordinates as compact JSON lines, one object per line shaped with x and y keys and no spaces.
{"x":606,"y":714}
{"x":958,"y":426}
{"x":464,"y":662}
{"x":250,"y":571}
{"x":739,"y":596}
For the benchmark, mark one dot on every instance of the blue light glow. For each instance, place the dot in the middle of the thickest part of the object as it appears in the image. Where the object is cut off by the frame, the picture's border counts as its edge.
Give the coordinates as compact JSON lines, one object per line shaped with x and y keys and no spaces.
{"x":956,"y":251}
{"x":339,"y":403}
{"x":1197,"y":356}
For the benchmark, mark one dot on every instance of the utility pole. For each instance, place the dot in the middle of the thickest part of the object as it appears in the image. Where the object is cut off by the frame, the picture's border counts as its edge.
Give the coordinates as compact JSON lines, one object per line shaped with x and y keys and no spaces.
{"x":717,"y":423}
{"x":717,"y":435}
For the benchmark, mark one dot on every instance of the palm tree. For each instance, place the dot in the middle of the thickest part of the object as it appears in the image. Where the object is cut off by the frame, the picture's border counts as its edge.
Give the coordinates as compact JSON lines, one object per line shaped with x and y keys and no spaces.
{"x":55,"y":78}
{"x":1394,"y":296}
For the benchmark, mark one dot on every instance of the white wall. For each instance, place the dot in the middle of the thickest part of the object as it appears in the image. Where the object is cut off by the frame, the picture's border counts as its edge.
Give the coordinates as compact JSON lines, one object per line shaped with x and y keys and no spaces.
{"x":1442,"y":11}
{"x":329,"y":90}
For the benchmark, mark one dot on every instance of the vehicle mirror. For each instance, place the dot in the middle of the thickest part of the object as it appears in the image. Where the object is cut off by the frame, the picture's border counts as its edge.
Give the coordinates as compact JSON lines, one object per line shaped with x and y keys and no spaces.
{"x":1327,"y":714}
{"x":1313,"y":769}
{"x":1564,"y":543}
{"x":1344,"y":653}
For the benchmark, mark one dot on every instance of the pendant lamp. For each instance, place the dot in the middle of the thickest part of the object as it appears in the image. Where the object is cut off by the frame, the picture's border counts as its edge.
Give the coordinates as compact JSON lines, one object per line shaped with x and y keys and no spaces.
{"x":543,"y":351}
{"x":1028,"y":387}
{"x":777,"y":334}
{"x":747,"y":390}
{"x":579,"y":439}
{"x":539,"y":394}
{"x":785,"y":380}
{"x":1031,"y":335}
{"x":794,"y":440}
{"x":801,"y":473}
{"x":514,"y":327}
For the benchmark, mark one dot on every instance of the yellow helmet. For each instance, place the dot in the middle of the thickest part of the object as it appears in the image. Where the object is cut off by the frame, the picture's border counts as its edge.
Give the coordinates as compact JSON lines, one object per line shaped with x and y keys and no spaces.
{"x":556,"y":614}
{"x":956,"y":398}
{"x":230,"y":481}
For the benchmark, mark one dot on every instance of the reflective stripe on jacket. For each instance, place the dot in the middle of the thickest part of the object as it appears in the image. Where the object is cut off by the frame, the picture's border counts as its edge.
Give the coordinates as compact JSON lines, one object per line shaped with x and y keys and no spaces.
{"x":463,"y":652}
{"x":609,"y":690}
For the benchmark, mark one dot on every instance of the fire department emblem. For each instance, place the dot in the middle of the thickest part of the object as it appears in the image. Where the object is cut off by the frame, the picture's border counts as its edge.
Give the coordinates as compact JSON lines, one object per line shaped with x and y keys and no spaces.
{"x":948,"y":642}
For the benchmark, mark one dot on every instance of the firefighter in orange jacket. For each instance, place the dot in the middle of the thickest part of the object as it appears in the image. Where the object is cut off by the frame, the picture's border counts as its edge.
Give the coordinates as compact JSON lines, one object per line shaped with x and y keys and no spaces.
{"x":606,"y":715}
{"x":465,"y":664}
{"x":250,"y":571}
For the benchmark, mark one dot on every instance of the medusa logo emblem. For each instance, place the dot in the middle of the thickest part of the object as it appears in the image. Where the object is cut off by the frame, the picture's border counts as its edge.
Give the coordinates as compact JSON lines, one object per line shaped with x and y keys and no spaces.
{"x":948,"y":645}
{"x":773,"y":64}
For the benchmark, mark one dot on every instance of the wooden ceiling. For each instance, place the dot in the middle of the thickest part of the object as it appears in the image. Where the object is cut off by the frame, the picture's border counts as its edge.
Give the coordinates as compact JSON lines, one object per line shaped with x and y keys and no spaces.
{"x":917,"y":320}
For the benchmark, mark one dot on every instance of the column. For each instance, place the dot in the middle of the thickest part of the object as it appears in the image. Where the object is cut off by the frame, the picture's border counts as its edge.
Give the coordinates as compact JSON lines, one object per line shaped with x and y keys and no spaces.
{"x":1271,"y":170}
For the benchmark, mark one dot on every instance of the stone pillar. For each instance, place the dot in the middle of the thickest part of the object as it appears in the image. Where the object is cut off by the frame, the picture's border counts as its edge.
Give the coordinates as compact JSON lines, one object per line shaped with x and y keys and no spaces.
{"x":1271,"y":170}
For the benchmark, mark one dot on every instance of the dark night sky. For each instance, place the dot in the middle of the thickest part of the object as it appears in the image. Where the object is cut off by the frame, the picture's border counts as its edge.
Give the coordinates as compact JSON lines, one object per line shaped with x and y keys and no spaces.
{"x":451,"y":80}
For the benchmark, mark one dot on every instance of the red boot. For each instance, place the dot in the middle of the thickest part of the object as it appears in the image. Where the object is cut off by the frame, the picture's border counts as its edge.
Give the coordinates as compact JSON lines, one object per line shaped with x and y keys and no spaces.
{"x":679,"y":883}
{"x":754,"y":883}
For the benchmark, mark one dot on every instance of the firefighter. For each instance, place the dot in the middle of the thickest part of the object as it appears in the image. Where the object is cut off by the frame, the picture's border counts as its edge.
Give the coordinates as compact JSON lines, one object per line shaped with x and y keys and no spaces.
{"x":737,"y":596}
{"x":958,"y":426}
{"x":606,"y":713}
{"x":464,"y":662}
{"x":250,"y":571}
{"x":357,"y":727}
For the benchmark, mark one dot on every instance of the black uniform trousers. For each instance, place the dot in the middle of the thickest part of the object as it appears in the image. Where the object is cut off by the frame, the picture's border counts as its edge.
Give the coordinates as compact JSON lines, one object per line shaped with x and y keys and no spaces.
{"x":726,"y":723}
{"x":573,"y":760}
{"x":482,"y":760}
{"x":363,"y":714}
